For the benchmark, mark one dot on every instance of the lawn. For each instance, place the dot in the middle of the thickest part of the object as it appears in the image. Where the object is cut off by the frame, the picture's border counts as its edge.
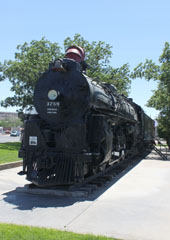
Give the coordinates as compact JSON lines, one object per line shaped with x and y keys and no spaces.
{"x":17,"y":232}
{"x":9,"y":152}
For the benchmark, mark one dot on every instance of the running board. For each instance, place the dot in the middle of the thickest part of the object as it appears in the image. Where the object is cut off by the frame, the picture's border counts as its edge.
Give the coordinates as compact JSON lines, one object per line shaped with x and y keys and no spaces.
{"x":163,"y":156}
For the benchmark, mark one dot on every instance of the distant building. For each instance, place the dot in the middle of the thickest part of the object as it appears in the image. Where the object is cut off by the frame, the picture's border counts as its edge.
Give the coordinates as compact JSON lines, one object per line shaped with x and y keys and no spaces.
{"x":8,"y":115}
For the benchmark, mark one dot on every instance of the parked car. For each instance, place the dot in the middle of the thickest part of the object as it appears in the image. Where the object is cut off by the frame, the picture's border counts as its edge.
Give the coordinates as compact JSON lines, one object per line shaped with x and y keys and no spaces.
{"x":7,"y":132}
{"x":14,"y":134}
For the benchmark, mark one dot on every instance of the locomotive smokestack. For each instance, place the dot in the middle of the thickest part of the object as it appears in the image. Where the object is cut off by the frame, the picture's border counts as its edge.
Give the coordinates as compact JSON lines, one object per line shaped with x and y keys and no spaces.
{"x":76,"y":53}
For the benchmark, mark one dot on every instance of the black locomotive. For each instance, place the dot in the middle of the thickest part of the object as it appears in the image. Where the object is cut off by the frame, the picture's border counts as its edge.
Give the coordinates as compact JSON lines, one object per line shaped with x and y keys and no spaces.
{"x":81,"y":125}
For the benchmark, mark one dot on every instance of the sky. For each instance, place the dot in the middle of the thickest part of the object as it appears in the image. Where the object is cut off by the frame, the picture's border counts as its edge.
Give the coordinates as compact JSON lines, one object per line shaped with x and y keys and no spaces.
{"x":136,"y":30}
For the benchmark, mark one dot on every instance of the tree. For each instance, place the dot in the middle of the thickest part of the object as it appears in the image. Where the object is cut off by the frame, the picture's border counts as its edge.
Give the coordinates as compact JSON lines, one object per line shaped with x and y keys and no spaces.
{"x":32,"y":59}
{"x":160,"y":100}
{"x":97,"y":53}
{"x":98,"y":56}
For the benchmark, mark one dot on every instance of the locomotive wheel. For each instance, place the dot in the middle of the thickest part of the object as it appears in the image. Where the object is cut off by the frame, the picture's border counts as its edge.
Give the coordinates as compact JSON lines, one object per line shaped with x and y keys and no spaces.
{"x":98,"y":169}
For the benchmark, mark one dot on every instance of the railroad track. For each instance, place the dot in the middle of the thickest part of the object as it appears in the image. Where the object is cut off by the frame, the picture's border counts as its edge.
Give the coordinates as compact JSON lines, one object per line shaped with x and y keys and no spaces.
{"x":98,"y":180}
{"x":89,"y":184}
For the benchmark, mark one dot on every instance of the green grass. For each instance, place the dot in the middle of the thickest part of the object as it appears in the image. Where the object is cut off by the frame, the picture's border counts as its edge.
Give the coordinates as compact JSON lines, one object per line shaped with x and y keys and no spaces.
{"x":17,"y":232}
{"x":9,"y":152}
{"x":161,"y":145}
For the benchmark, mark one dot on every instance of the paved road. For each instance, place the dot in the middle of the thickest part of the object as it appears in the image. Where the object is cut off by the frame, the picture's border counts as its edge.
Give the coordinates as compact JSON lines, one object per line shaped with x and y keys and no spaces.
{"x":135,"y":207}
{"x":7,"y":138}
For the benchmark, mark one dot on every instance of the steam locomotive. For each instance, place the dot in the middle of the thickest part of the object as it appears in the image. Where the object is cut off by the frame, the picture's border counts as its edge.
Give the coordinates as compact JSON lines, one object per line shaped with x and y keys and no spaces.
{"x":80,"y":127}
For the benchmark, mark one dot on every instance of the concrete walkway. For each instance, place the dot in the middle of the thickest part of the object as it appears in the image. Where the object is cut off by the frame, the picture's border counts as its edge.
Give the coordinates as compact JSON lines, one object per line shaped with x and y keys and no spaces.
{"x":135,"y":206}
{"x":8,"y":138}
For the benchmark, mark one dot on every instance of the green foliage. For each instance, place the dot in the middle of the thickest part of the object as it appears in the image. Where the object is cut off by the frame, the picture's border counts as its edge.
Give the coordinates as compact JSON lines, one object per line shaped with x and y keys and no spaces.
{"x":120,"y":78}
{"x":160,"y":73}
{"x":160,"y":99}
{"x":164,"y":127}
{"x":15,"y":232}
{"x":2,"y":77}
{"x":98,"y":56}
{"x":32,"y":59}
{"x":148,"y":70}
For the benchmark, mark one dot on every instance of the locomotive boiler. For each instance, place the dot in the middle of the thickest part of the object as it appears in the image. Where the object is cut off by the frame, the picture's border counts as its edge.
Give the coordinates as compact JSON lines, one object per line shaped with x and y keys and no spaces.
{"x":80,"y":127}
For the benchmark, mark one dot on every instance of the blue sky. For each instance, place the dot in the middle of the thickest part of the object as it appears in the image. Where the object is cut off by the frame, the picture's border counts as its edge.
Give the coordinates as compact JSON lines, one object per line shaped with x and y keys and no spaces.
{"x":136,"y":29}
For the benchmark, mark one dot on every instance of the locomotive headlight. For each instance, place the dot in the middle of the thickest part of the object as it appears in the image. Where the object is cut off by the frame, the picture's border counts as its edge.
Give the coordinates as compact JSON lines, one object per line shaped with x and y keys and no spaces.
{"x":53,"y":94}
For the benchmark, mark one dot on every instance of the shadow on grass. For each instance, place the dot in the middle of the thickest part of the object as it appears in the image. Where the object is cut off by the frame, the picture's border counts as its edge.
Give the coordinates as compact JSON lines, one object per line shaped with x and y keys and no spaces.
{"x":14,"y":146}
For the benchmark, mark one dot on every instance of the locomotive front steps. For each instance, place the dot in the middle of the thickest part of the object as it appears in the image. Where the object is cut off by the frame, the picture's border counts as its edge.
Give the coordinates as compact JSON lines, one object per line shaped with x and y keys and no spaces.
{"x":161,"y":154}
